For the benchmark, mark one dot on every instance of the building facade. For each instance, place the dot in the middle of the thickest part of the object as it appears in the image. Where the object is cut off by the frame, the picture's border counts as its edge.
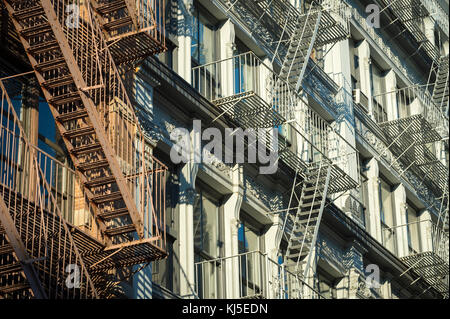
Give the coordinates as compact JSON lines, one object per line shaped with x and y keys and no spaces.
{"x":343,"y":104}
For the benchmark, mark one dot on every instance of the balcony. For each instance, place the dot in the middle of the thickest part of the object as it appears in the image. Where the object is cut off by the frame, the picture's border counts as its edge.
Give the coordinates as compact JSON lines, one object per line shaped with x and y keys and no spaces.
{"x":251,"y":275}
{"x":246,"y":89}
{"x":408,"y":14}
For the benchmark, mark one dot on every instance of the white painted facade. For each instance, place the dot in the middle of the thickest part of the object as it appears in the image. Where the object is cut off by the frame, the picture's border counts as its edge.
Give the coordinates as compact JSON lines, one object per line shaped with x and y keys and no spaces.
{"x":248,"y":204}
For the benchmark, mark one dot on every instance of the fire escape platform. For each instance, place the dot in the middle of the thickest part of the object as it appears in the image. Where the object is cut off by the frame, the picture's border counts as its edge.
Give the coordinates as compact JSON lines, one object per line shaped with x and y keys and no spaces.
{"x":430,"y":267}
{"x":124,"y":255}
{"x":96,"y":256}
{"x":417,"y":129}
{"x":135,"y":47}
{"x":408,"y":14}
{"x":249,"y":110}
{"x":274,"y":15}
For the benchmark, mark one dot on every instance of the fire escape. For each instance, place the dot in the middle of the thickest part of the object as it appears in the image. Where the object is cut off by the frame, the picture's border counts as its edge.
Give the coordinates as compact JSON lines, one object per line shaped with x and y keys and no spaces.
{"x":413,"y":137}
{"x":74,"y":48}
{"x":321,"y":164}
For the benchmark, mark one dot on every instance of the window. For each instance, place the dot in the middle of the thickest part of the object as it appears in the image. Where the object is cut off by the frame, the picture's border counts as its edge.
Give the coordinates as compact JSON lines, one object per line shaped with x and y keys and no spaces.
{"x":248,"y":238}
{"x":404,"y":101}
{"x":203,"y":46}
{"x":203,"y":51}
{"x":206,"y":225}
{"x":249,"y":260}
{"x":386,"y":215}
{"x":363,"y":192}
{"x":378,"y":88}
{"x":206,"y":246}
{"x":412,"y":227}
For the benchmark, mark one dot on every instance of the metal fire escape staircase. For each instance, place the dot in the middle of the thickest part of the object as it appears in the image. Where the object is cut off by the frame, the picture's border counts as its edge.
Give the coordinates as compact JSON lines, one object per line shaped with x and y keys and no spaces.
{"x":97,"y":123}
{"x":300,"y":47}
{"x":409,"y":141}
{"x":301,"y":224}
{"x":290,"y":38}
{"x":409,"y":138}
{"x":441,"y":86}
{"x":36,"y":244}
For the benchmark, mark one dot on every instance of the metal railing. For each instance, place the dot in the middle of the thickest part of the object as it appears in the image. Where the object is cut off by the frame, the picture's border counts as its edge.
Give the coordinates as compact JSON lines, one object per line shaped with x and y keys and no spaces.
{"x":242,"y":75}
{"x":405,"y":99}
{"x":249,"y":275}
{"x":149,"y":16}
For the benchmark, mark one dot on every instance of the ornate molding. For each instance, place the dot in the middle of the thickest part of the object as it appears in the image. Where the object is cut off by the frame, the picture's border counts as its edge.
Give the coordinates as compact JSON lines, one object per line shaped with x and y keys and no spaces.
{"x":270,"y":199}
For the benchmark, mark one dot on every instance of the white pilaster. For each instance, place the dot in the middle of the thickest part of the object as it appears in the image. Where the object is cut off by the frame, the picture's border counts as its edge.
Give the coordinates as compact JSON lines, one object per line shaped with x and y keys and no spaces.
{"x":232,"y":207}
{"x":391,"y":98}
{"x":182,"y":54}
{"x":227,"y":36}
{"x":364,"y":71}
{"x":425,"y":231}
{"x":337,"y":63}
{"x":188,"y":174}
{"x":401,"y":233}
{"x":374,"y":221}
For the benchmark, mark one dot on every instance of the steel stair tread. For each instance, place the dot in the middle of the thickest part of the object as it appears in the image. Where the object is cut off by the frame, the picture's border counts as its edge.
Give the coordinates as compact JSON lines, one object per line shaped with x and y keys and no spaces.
{"x":101,"y":181}
{"x":10,"y":268}
{"x":69,"y":116}
{"x":50,"y":65}
{"x":29,"y":12}
{"x":81,"y":131}
{"x":57,"y":82}
{"x":105,"y":198}
{"x":111,"y":6}
{"x":108,"y":215}
{"x":65,"y":98}
{"x":117,"y":24}
{"x":36,"y":30}
{"x":6,"y":249}
{"x":87,"y":148}
{"x":43,"y":47}
{"x":116,"y":231}
{"x":92,"y":165}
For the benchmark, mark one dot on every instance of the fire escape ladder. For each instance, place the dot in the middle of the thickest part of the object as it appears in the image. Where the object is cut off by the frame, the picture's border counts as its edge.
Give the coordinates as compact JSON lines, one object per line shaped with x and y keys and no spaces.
{"x":300,"y":47}
{"x":441,"y":86}
{"x":38,"y":255}
{"x":303,"y":221}
{"x":92,"y":111}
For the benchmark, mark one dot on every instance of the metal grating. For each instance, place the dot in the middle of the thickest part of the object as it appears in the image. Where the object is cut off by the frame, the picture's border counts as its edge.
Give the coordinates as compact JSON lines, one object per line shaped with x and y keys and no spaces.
{"x":416,"y":128}
{"x":249,"y":110}
{"x":430,"y":267}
